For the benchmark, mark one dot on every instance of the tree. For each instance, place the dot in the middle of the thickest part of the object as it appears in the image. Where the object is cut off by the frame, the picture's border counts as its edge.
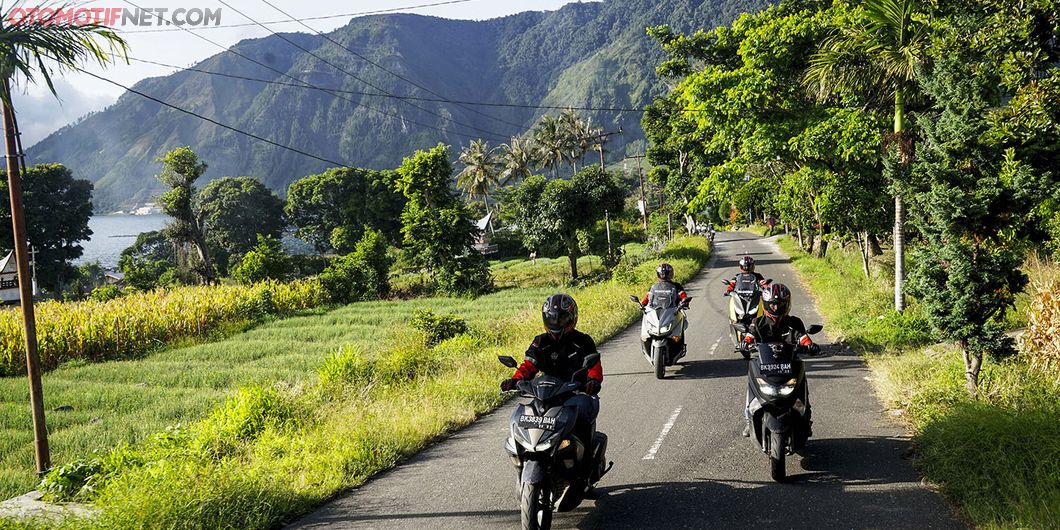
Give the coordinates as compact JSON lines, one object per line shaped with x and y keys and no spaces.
{"x":549,"y":143}
{"x":480,"y":171}
{"x":516,"y":159}
{"x":234,"y":212}
{"x":181,"y":167}
{"x":438,"y":229}
{"x":28,"y":50}
{"x":266,"y":261}
{"x":150,"y":262}
{"x":58,"y":208}
{"x":552,"y":214}
{"x":877,"y":55}
{"x":331,"y":209}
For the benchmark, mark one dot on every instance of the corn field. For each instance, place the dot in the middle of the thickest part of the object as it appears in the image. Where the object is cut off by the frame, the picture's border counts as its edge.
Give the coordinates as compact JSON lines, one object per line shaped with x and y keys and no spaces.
{"x":138,"y":323}
{"x":1041,"y":341}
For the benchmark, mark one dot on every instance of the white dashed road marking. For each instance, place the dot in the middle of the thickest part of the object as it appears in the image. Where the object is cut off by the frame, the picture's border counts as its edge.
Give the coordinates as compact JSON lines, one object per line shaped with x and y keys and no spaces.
{"x":714,"y":348}
{"x":662,"y":435}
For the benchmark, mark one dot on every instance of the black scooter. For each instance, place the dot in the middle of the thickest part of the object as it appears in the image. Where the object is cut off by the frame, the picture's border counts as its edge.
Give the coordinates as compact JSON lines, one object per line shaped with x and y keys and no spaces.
{"x":556,"y":467}
{"x":779,"y":401}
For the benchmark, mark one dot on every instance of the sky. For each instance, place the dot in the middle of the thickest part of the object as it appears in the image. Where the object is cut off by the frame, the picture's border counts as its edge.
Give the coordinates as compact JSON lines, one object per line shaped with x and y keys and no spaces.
{"x":41,"y":114}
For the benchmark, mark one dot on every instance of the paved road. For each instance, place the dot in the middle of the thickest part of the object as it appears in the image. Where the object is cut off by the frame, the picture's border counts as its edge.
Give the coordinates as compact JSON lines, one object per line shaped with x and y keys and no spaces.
{"x":703,"y":474}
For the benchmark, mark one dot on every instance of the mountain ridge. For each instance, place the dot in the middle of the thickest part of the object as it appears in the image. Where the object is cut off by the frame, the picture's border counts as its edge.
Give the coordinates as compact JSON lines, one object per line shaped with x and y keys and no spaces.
{"x":583,"y":54}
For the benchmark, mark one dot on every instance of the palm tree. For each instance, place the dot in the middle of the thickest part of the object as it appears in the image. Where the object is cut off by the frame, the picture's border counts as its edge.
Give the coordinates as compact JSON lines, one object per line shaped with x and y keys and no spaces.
{"x":480,"y":171}
{"x":516,"y":159}
{"x":30,"y":51}
{"x":549,"y":143}
{"x":578,"y":136}
{"x":878,"y":58}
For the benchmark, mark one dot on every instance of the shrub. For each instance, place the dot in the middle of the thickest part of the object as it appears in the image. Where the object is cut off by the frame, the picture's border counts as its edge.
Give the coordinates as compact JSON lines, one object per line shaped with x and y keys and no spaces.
{"x":349,"y":279}
{"x":372,"y":251}
{"x":1042,"y":338}
{"x":266,"y":261}
{"x":438,"y":328}
{"x":105,"y":293}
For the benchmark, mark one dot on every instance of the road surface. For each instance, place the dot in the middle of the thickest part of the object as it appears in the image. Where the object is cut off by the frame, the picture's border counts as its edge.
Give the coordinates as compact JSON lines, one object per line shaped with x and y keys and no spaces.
{"x":680,"y":461}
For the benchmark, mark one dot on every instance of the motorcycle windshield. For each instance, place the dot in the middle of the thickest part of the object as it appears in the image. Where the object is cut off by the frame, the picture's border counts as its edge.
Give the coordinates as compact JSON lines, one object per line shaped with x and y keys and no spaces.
{"x":547,"y":388}
{"x":776,"y":359}
{"x":662,"y":298}
{"x":747,"y":288}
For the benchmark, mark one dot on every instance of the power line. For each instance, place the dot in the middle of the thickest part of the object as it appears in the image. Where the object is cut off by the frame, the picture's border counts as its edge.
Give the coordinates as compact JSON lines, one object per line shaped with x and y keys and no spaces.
{"x":387,"y":70}
{"x":392,"y":96}
{"x":354,"y":76}
{"x":322,"y":17}
{"x":215,"y":122}
{"x":306,"y":84}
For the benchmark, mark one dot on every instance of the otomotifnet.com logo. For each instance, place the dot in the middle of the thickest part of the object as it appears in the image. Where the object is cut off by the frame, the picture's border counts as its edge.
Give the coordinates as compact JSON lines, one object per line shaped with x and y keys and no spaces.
{"x":80,"y":15}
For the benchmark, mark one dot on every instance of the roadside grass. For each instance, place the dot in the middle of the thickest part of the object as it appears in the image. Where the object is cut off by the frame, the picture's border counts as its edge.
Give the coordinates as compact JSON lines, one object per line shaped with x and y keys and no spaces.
{"x":996,"y":458}
{"x":757,"y":229}
{"x":348,"y":404}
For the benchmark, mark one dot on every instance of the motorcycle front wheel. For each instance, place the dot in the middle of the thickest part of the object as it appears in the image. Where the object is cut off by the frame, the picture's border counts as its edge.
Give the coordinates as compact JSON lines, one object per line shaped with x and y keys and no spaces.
{"x":658,"y":358}
{"x":535,"y":507}
{"x":776,"y":457}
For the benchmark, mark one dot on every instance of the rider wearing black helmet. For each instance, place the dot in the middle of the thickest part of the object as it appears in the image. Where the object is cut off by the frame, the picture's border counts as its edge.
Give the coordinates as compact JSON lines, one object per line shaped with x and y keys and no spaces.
{"x":560,"y":352}
{"x":747,"y":272}
{"x":666,"y":286}
{"x":777,"y":325}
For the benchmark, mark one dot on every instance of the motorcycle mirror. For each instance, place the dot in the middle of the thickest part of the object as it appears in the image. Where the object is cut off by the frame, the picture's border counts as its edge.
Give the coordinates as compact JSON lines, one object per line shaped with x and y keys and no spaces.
{"x":726,"y":282}
{"x":634,"y":298}
{"x":739,"y":326}
{"x":507,"y":361}
{"x":814,"y":329}
{"x":591,"y":360}
{"x":769,"y":281}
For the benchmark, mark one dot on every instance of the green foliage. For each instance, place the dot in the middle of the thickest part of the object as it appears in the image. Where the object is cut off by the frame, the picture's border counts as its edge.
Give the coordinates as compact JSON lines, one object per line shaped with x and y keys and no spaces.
{"x":552,"y":213}
{"x":149,"y":262}
{"x":105,"y":293}
{"x":438,"y":230}
{"x":234,"y":212}
{"x":181,"y":167}
{"x":331,"y":209}
{"x":57,"y":209}
{"x":349,"y":279}
{"x":438,"y":328}
{"x":372,"y":251}
{"x":266,"y":261}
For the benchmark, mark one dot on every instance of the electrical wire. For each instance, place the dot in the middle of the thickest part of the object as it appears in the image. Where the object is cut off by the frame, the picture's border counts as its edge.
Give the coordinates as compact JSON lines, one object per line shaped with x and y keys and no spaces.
{"x":354,"y":76}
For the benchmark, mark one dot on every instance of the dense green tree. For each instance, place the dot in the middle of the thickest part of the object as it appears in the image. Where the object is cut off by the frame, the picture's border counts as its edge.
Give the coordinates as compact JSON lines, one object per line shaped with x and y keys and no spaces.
{"x":372,"y":251}
{"x":265,"y":261}
{"x":438,"y":230}
{"x":58,"y":208}
{"x":551,"y":214}
{"x":149,"y":262}
{"x":550,"y":143}
{"x":331,"y":209}
{"x":233,"y":212}
{"x":516,"y":160}
{"x":180,"y":169}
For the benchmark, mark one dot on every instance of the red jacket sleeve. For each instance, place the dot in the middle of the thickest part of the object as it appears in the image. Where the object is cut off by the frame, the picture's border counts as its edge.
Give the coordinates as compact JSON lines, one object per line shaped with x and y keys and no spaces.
{"x":596,"y":372}
{"x":644,"y":301}
{"x":526,"y":371}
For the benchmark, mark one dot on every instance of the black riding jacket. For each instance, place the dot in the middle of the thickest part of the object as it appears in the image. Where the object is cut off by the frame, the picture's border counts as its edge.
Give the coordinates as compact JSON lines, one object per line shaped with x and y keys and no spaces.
{"x":560,"y":358}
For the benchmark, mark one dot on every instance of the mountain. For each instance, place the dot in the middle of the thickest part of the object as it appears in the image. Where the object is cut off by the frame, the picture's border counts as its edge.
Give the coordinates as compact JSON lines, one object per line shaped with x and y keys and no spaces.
{"x":593,"y":54}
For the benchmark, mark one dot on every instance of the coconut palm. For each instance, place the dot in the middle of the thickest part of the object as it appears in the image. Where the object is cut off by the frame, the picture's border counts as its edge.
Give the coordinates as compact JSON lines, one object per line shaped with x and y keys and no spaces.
{"x":479,"y":175}
{"x":575,"y":138}
{"x":30,"y":52}
{"x":879,"y":59}
{"x":516,"y":159}
{"x":549,"y":143}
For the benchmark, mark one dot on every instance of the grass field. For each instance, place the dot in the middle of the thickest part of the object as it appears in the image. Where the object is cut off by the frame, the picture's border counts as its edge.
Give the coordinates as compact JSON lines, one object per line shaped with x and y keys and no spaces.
{"x":279,"y":419}
{"x":996,"y":458}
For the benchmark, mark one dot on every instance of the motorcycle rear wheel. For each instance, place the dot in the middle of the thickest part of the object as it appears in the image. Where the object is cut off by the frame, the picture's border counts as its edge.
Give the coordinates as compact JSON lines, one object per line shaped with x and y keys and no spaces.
{"x":535,"y":507}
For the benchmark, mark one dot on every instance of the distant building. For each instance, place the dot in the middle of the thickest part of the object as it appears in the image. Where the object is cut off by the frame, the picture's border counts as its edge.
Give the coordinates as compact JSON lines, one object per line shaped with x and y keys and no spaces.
{"x":114,"y":278}
{"x":9,"y":280}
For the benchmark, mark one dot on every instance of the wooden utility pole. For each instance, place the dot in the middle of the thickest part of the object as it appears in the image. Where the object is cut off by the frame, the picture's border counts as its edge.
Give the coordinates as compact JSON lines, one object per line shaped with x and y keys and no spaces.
{"x":600,"y":139}
{"x":25,"y":283}
{"x":643,"y":202}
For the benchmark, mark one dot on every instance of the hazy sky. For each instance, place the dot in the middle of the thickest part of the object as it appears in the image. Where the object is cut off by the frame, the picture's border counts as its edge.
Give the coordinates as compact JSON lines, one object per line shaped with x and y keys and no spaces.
{"x":40,"y":114}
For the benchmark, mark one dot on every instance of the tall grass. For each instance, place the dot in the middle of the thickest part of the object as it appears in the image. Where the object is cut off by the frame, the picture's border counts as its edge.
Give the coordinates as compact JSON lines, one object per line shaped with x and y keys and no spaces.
{"x":273,"y":451}
{"x":996,"y":458}
{"x":141,"y":322}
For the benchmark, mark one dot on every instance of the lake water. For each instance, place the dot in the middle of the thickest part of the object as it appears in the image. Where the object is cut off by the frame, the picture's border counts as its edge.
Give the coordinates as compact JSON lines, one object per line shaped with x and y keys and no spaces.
{"x":112,"y":234}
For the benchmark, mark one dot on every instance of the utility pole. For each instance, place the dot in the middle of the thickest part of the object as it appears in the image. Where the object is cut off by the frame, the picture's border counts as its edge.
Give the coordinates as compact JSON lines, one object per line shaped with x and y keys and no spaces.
{"x":643,"y":202}
{"x":25,"y":287}
{"x":600,"y":139}
{"x":607,"y":224}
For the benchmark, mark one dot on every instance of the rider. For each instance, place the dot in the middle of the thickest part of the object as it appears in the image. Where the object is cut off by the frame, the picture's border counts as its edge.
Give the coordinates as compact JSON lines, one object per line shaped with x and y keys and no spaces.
{"x":776,"y":325}
{"x":666,"y":284}
{"x":560,"y":352}
{"x":747,"y":268}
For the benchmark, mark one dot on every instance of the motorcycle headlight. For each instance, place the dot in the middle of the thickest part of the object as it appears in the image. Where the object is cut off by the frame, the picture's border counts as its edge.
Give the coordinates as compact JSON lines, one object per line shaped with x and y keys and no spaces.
{"x":770,"y":389}
{"x":665,"y":330}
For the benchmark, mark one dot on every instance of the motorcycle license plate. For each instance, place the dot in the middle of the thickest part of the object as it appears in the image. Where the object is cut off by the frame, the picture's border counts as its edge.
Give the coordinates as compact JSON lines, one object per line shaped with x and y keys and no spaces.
{"x":546,"y":423}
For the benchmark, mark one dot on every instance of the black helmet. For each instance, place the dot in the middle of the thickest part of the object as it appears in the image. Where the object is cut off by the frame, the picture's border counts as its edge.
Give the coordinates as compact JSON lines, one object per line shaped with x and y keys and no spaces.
{"x":747,"y":264}
{"x":776,"y":300}
{"x":560,"y":315}
{"x":665,"y":272}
